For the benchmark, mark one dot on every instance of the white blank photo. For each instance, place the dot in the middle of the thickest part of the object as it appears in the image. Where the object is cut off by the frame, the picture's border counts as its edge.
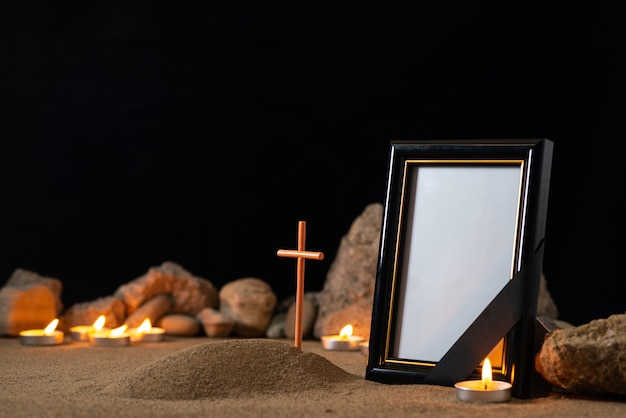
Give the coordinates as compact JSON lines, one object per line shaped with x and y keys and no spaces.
{"x":459,"y":248}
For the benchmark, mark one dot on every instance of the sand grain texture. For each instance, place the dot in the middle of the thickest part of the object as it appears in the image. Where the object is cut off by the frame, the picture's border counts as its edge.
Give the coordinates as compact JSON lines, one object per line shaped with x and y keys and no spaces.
{"x":230,"y":369}
{"x":206,"y":377}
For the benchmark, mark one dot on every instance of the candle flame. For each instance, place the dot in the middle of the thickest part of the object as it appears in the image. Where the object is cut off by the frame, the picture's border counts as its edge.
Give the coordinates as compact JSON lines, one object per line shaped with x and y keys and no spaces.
{"x":346,"y":332}
{"x":99,"y":323}
{"x":118,"y":331}
{"x":487,"y":376}
{"x":49,"y":329}
{"x":145,"y":326}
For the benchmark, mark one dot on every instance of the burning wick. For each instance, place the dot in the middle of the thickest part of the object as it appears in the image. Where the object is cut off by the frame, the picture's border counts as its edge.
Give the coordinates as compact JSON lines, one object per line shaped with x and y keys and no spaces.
{"x":346,"y":332}
{"x":118,"y":332}
{"x":99,"y":323}
{"x":486,"y":373}
{"x":49,"y":330}
{"x":145,"y":326}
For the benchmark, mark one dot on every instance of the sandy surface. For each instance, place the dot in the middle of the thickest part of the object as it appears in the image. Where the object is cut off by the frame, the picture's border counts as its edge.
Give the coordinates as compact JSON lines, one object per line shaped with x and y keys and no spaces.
{"x":201,"y":377}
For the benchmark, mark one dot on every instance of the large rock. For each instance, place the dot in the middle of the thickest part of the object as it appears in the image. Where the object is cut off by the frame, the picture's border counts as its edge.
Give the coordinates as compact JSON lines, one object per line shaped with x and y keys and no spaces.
{"x":250,"y":302}
{"x":352,"y":276}
{"x":190,"y":294}
{"x":28,"y":301}
{"x":589,"y":359}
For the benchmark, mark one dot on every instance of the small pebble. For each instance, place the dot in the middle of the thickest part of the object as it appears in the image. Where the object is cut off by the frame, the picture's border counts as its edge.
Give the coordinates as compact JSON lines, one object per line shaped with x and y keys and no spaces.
{"x":180,"y":325}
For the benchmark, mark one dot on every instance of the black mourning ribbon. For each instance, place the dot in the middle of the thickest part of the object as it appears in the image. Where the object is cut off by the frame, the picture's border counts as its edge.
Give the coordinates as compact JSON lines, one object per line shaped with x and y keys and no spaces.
{"x":494,"y":322}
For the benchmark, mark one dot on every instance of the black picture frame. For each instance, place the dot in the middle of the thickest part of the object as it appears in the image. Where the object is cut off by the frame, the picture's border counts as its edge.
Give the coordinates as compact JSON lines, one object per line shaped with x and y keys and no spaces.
{"x":460,"y":261}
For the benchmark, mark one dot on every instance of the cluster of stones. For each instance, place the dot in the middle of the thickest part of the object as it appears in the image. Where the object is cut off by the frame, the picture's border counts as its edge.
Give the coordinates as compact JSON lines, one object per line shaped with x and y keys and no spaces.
{"x":168,"y":295}
{"x":588,"y":359}
{"x":181,"y":303}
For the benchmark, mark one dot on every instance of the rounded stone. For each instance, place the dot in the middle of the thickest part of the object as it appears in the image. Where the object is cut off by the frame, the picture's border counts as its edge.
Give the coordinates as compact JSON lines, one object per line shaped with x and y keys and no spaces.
{"x":250,"y":302}
{"x":180,"y":325}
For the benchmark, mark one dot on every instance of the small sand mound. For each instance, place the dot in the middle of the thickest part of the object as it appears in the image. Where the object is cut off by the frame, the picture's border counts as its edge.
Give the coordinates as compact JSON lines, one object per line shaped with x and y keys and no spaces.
{"x":230,"y":368}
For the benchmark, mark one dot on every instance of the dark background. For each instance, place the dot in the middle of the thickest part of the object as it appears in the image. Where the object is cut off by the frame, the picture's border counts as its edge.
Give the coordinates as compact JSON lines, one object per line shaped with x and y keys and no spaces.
{"x":203,"y":133}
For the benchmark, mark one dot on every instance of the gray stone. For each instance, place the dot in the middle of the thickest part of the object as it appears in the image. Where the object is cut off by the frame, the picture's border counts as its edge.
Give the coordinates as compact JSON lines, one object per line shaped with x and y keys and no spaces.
{"x":250,"y":302}
{"x":352,"y":276}
{"x":28,"y":301}
{"x":276,"y":328}
{"x":309,"y":314}
{"x":589,"y":359}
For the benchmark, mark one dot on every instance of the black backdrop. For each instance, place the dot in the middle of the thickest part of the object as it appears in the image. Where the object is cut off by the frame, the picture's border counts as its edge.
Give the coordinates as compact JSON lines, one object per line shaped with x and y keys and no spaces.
{"x":202,"y":134}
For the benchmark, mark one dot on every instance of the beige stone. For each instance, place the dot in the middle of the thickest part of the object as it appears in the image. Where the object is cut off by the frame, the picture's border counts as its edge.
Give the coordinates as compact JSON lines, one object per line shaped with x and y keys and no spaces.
{"x":180,"y":325}
{"x":352,"y":275}
{"x":588,"y":359}
{"x":190,"y":293}
{"x":250,"y":302}
{"x":153,"y":309}
{"x":28,"y":301}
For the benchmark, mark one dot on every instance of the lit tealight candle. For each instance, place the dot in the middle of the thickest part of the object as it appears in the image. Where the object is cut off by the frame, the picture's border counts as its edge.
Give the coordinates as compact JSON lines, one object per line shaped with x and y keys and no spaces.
{"x":146,"y":332}
{"x":484,"y":390}
{"x":344,"y":341}
{"x":47,"y":336}
{"x":117,"y":337}
{"x":81,"y":332}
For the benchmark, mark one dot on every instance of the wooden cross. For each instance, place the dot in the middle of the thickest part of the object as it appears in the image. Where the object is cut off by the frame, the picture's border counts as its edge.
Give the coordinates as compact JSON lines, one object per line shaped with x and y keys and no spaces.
{"x":301,"y":255}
